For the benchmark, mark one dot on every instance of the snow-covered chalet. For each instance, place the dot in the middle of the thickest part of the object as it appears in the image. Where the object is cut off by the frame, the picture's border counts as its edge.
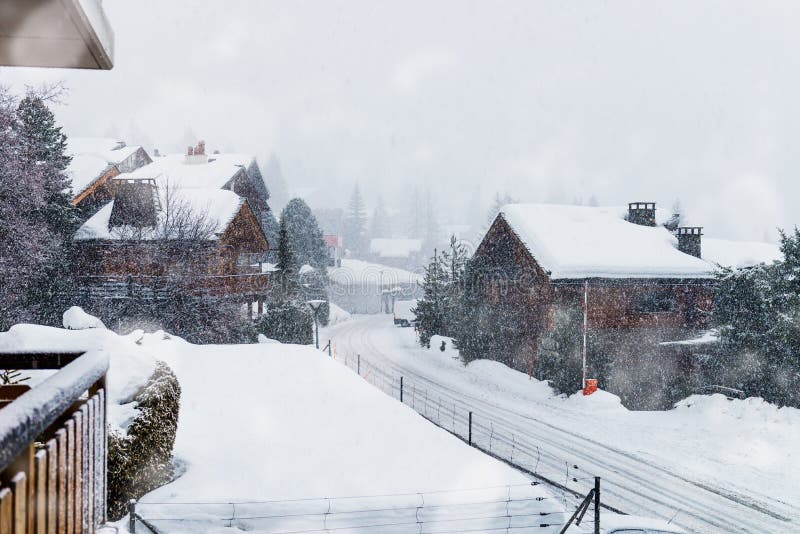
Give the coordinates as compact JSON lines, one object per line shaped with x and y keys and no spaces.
{"x":95,"y":162}
{"x":644,"y":279}
{"x":215,"y":202}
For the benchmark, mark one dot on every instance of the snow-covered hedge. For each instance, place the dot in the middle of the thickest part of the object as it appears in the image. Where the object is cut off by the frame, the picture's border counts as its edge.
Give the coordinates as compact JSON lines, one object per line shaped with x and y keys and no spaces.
{"x":140,"y":460}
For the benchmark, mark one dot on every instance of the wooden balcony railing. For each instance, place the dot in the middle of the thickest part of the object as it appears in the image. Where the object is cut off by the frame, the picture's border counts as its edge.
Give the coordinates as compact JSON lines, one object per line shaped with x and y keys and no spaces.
{"x":165,"y":287}
{"x":53,"y":446}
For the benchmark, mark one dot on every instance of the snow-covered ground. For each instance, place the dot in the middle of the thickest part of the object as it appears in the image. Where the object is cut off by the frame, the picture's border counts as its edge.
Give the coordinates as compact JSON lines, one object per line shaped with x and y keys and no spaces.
{"x":717,"y":465}
{"x":282,"y":438}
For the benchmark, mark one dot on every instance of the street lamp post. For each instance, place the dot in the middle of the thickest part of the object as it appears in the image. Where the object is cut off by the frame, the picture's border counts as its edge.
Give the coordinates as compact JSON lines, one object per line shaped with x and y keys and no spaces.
{"x":315,"y":306}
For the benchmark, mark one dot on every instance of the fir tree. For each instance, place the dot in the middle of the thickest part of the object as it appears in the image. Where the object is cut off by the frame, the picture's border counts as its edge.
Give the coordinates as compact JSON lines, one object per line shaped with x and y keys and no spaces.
{"x":355,"y":224}
{"x":304,"y":236}
{"x":430,"y":312}
{"x":42,"y":149}
{"x":431,"y":239}
{"x":497,"y":203}
{"x":273,"y":177}
{"x":757,"y":312}
{"x":379,"y":227}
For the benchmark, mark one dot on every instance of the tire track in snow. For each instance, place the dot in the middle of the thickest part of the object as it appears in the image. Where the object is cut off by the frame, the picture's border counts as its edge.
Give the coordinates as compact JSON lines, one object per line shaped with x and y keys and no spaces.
{"x":621,"y":471}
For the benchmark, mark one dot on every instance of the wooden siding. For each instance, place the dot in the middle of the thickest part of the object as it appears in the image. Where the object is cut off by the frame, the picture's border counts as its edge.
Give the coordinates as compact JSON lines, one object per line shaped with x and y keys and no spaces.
{"x":516,"y":277}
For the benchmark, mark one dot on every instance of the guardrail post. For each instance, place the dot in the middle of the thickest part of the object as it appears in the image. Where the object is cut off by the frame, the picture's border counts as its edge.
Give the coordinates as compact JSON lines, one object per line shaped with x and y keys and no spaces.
{"x":132,"y":516}
{"x":401,"y":389}
{"x":470,"y":429}
{"x":596,"y":505}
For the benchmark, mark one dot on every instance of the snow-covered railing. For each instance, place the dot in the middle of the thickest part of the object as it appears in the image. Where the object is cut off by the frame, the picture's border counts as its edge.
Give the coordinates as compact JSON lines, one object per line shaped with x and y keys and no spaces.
{"x":53,"y":445}
{"x":165,"y":287}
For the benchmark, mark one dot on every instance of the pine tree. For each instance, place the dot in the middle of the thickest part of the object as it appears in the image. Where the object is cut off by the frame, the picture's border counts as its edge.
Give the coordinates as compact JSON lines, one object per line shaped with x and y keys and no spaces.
{"x":431,"y":239}
{"x":355,"y":224}
{"x":756,"y":312}
{"x":430,"y":312}
{"x":286,"y":262}
{"x":379,"y":227}
{"x":454,"y":262}
{"x":273,"y":177}
{"x":304,"y":236}
{"x":42,"y":146}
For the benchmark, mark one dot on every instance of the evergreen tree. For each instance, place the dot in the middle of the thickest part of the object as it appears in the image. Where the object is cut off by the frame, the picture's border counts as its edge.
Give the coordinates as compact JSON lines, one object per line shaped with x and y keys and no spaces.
{"x":304,"y":236}
{"x":431,"y":239}
{"x":42,"y":146}
{"x":379,"y":226}
{"x":355,"y":224}
{"x":757,"y":312}
{"x":430,"y":312}
{"x":454,"y":262}
{"x":415,"y":214}
{"x":273,"y":177}
{"x":286,"y":261}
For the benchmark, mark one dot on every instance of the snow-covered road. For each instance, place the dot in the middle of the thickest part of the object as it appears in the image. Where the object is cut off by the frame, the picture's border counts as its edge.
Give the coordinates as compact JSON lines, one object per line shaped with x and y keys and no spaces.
{"x":713,"y":468}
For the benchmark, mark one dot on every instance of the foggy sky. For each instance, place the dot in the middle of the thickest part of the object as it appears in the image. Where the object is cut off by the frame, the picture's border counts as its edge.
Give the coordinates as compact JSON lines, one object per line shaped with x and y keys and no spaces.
{"x":548,"y":101}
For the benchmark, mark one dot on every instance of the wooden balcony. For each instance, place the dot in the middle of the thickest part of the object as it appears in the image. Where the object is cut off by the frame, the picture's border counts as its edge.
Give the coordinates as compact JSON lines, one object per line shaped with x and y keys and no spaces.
{"x":165,"y":287}
{"x":53,"y":446}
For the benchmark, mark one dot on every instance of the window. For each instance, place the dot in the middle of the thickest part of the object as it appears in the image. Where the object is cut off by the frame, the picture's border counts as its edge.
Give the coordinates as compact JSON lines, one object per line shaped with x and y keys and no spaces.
{"x":658,"y":301}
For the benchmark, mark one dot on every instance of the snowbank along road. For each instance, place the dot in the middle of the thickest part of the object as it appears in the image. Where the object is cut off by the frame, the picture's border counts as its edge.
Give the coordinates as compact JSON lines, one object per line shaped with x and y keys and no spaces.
{"x":709,"y":470}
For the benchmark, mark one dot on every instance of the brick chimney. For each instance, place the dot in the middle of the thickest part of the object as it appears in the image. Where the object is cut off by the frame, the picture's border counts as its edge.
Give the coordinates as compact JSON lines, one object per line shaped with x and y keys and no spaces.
{"x":689,"y":239}
{"x":196,"y":154}
{"x":642,"y":213}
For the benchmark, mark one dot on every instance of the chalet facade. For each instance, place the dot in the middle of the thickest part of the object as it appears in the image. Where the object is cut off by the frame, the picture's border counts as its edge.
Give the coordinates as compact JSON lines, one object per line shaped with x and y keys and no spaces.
{"x":95,"y":162}
{"x":183,"y":224}
{"x":641,"y":283}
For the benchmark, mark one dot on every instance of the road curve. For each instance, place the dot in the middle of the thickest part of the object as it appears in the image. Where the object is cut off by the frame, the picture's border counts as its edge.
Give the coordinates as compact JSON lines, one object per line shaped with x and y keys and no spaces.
{"x":556,"y":450}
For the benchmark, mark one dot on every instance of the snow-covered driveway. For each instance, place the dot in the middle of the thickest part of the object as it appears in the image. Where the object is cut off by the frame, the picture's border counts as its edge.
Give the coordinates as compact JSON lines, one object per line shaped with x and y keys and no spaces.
{"x":716,"y":465}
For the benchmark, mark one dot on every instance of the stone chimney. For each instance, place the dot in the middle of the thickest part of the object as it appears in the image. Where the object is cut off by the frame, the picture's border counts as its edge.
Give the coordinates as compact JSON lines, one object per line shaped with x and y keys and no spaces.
{"x":689,"y":239}
{"x":643,"y":213}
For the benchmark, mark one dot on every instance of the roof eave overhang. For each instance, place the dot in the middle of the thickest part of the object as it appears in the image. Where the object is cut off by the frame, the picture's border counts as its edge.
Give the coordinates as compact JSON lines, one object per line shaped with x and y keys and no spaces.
{"x":72,"y":34}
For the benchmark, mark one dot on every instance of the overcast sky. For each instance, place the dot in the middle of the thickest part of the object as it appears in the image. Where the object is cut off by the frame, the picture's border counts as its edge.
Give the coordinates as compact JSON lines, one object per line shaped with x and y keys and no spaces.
{"x":548,"y":101}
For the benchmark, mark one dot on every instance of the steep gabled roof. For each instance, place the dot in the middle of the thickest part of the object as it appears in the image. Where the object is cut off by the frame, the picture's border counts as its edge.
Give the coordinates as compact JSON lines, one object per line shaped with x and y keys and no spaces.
{"x":572,"y":242}
{"x":219,"y":206}
{"x":91,"y":158}
{"x":173,"y":169}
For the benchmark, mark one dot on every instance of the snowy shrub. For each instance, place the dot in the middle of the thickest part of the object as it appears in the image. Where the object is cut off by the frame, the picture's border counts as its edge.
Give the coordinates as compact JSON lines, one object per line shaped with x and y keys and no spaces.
{"x":288,"y":322}
{"x":757,"y":313}
{"x":141,"y":460}
{"x":77,"y":319}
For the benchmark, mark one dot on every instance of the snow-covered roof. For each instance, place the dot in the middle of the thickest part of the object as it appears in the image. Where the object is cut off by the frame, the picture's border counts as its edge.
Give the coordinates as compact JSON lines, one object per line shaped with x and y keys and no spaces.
{"x":394,"y":248}
{"x":92,"y":156}
{"x":373,"y":274}
{"x":595,"y":242}
{"x":219,"y":206}
{"x":739,"y":254}
{"x":173,"y":170}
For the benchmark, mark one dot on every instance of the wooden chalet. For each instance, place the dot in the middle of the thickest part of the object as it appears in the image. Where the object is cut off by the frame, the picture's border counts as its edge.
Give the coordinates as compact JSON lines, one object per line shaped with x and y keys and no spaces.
{"x":177,"y":225}
{"x":641,"y":284}
{"x":95,"y":162}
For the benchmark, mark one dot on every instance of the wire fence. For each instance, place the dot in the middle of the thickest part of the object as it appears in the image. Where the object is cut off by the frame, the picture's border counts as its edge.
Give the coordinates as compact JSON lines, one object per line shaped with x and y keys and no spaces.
{"x":565,"y":477}
{"x":511,"y":508}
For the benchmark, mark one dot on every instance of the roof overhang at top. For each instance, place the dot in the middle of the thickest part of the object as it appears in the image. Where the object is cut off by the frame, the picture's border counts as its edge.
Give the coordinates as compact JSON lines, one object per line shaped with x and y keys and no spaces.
{"x":55,"y":33}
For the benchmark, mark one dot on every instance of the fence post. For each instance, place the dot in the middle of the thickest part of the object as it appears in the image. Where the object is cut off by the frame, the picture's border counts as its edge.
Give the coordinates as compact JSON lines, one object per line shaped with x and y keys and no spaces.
{"x":470,"y":429}
{"x":132,"y":516}
{"x":329,"y":348}
{"x":596,"y":505}
{"x":359,"y":364}
{"x":401,"y":389}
